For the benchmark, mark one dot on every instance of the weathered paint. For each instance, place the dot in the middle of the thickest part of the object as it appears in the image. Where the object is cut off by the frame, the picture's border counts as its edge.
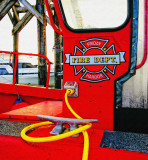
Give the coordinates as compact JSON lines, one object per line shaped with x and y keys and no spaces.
{"x":135,"y":90}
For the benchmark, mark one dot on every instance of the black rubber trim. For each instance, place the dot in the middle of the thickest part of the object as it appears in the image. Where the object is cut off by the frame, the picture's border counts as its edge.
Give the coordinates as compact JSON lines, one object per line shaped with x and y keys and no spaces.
{"x":131,"y":120}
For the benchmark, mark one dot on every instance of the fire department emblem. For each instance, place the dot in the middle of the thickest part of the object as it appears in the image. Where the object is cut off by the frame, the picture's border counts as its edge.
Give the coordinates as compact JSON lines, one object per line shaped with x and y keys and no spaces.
{"x":94,"y":61}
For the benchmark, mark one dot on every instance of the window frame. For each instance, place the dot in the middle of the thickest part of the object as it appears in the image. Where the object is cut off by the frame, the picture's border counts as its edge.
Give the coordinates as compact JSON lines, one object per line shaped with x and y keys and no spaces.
{"x":129,"y":16}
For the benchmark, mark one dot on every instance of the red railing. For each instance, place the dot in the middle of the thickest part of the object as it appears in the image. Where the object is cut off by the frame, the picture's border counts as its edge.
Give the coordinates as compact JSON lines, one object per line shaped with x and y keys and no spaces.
{"x":28,"y":54}
{"x":51,"y":18}
{"x":145,"y":37}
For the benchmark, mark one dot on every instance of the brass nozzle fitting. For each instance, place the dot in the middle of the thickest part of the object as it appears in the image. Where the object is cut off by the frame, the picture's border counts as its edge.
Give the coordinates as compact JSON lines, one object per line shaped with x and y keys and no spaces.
{"x":70,"y":91}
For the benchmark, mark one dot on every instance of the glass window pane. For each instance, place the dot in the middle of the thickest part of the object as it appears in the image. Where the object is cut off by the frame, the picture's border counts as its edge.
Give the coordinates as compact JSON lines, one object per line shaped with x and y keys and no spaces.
{"x":28,"y":70}
{"x":89,"y":14}
{"x":6,"y":68}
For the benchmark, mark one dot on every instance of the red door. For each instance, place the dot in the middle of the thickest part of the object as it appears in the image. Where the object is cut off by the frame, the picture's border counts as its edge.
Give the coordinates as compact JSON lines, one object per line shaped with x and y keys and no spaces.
{"x":96,"y":51}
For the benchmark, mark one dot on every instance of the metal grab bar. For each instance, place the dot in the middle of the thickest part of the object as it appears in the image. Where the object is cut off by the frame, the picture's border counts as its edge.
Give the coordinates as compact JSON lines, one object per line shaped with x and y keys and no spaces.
{"x":145,"y":37}
{"x":28,"y":54}
{"x":51,"y":18}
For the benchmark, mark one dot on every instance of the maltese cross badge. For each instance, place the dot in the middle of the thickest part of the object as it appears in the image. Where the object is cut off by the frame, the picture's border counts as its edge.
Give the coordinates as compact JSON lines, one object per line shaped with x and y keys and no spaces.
{"x":95,"y":60}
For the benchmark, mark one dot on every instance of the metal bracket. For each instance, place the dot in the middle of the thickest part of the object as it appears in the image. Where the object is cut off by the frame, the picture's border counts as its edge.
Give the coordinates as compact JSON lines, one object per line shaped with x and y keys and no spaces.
{"x":59,"y":121}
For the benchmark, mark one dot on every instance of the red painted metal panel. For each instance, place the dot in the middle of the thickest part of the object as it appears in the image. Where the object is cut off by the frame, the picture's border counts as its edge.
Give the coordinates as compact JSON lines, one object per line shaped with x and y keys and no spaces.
{"x":31,"y":91}
{"x":29,"y":94}
{"x":96,"y":98}
{"x":51,"y":108}
{"x":19,"y":105}
{"x":68,"y":149}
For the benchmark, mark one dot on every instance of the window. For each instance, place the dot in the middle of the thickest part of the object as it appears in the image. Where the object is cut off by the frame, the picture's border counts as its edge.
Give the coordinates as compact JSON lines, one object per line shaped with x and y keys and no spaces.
{"x":6,"y":68}
{"x":95,"y":14}
{"x":28,"y":65}
{"x":3,"y":71}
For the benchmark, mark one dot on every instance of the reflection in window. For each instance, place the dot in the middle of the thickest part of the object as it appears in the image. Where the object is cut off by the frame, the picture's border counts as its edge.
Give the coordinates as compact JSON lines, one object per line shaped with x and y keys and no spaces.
{"x":3,"y":71}
{"x":86,"y":14}
{"x":6,"y":68}
{"x":28,"y":70}
{"x":28,"y":65}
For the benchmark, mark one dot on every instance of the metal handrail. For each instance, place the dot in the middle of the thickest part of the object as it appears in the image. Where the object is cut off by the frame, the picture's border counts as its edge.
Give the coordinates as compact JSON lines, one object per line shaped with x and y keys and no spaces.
{"x":145,"y":37}
{"x":28,"y":54}
{"x":51,"y":18}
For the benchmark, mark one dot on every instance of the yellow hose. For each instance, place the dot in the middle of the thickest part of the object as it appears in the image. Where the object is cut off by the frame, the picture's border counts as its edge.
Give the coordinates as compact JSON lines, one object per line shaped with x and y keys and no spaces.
{"x":70,"y":91}
{"x":85,"y":134}
{"x":64,"y":135}
{"x":52,"y":138}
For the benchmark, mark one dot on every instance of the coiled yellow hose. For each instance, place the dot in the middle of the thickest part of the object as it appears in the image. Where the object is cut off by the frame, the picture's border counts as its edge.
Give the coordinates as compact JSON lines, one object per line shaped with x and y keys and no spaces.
{"x":64,"y":135}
